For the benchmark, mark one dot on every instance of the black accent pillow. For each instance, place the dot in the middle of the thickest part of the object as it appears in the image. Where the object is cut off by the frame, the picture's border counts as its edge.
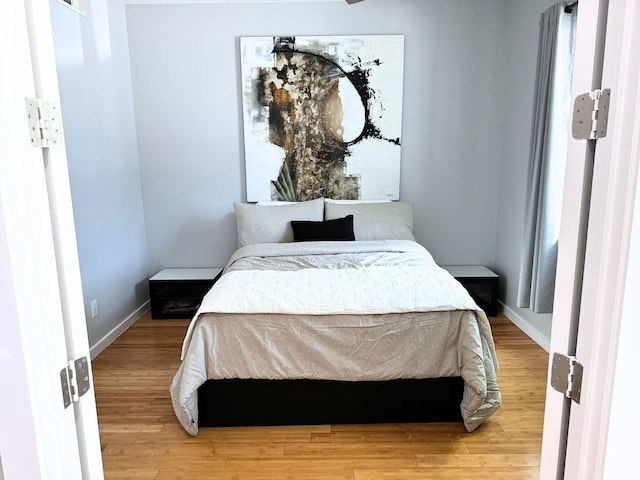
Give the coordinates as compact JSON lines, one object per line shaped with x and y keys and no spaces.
{"x":339,"y":229}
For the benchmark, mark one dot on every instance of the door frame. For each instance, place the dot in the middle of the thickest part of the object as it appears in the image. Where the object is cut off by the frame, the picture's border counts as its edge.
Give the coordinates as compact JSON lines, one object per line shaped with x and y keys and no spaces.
{"x":64,"y":237}
{"x":615,"y":174}
{"x":37,"y":436}
{"x":43,"y":315}
{"x":572,"y":237}
{"x":600,"y":185}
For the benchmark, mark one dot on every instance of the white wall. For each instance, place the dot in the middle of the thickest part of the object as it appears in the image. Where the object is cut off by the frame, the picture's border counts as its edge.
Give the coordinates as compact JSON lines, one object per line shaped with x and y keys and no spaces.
{"x":521,"y":52}
{"x":185,"y":73}
{"x":97,"y":106}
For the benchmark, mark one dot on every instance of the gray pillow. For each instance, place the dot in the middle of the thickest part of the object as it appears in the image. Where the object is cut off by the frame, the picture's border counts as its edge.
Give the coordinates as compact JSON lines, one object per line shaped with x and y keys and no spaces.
{"x":272,"y":223}
{"x":375,"y":221}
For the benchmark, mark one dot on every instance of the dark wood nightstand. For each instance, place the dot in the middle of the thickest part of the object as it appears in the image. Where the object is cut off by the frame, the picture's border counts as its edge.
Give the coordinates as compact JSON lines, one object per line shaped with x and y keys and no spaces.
{"x":480,"y":282}
{"x":177,"y":292}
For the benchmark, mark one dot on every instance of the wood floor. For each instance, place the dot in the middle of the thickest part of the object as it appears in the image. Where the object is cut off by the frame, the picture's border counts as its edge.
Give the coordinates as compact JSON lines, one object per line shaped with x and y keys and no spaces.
{"x":142,"y":440}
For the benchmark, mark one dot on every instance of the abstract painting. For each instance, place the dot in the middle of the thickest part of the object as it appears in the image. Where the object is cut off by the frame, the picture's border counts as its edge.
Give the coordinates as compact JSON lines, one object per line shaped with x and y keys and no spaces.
{"x":322,"y":116}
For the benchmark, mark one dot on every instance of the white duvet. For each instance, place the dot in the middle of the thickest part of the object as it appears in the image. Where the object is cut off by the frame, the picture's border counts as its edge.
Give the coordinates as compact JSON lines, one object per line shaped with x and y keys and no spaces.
{"x":338,"y":311}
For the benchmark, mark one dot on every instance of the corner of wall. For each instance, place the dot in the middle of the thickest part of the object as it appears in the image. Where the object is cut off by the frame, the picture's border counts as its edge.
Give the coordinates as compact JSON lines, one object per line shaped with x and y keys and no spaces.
{"x":541,"y":338}
{"x":118,"y":330}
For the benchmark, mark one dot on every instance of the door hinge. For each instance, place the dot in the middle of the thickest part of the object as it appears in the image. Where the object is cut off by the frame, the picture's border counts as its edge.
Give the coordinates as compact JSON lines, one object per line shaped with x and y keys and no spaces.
{"x":74,"y":380}
{"x":43,"y":118}
{"x":566,"y":376}
{"x":591,"y":115}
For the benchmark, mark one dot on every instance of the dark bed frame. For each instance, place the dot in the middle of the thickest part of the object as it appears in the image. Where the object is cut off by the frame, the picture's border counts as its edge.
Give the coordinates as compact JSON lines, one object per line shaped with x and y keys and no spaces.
{"x":224,"y":403}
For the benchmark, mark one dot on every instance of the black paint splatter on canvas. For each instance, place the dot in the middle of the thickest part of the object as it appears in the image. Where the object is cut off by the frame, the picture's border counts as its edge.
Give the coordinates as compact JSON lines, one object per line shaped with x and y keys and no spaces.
{"x":305,"y":120}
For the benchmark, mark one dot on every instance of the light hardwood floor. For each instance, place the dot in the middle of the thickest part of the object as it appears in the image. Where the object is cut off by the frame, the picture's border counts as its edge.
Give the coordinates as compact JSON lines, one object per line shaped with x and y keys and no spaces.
{"x":142,"y":440}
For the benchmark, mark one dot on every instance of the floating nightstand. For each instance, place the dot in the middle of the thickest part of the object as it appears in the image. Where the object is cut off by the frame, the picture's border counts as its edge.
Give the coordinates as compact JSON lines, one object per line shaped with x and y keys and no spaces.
{"x":178,"y":292}
{"x":480,"y":282}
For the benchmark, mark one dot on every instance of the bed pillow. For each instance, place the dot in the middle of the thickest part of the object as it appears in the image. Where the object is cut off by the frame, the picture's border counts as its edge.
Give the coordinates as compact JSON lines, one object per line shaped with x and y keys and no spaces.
{"x":272,"y":223}
{"x":338,"y":229}
{"x":376,"y":221}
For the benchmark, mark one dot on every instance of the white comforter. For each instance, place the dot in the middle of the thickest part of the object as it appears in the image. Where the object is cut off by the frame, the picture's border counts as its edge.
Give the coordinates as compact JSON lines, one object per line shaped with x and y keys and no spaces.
{"x":338,"y":311}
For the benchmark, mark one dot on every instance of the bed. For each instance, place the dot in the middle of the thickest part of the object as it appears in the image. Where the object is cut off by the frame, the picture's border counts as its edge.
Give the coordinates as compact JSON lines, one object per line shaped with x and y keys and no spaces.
{"x":332,"y":313}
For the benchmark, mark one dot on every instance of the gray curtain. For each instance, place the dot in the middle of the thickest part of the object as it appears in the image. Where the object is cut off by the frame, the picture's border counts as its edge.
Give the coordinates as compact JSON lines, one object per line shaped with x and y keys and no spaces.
{"x":547,"y":152}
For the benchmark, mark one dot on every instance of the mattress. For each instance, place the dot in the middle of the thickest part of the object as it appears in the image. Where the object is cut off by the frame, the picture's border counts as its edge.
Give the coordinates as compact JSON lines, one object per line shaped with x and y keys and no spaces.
{"x":348,"y":311}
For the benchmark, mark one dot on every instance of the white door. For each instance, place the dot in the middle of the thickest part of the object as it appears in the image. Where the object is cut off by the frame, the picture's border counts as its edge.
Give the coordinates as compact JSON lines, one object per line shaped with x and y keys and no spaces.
{"x":43,"y":316}
{"x":615,"y":174}
{"x":600,"y":185}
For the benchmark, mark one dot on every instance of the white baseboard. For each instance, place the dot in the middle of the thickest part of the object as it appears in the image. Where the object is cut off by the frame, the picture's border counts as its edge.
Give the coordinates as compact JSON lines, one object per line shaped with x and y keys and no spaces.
{"x":532,"y":332}
{"x":118,"y":330}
